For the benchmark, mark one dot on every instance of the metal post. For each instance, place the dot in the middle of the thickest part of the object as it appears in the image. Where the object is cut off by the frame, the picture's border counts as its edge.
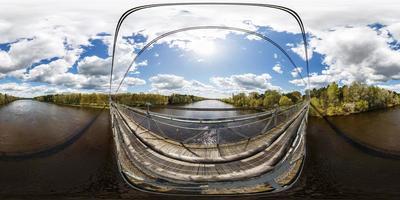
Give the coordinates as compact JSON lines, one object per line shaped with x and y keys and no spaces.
{"x":276,"y":115}
{"x":148,"y":107}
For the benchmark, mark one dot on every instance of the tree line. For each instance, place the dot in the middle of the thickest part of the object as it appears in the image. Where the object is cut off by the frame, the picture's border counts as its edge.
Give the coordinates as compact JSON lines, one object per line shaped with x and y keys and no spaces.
{"x":141,"y":99}
{"x":354,"y":98}
{"x":330,"y":100}
{"x":130,"y":99}
{"x":76,"y":99}
{"x":269,"y":99}
{"x":5,"y":99}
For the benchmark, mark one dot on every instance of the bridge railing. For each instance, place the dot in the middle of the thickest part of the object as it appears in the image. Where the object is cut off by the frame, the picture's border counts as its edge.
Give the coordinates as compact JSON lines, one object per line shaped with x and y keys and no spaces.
{"x":188,"y":130}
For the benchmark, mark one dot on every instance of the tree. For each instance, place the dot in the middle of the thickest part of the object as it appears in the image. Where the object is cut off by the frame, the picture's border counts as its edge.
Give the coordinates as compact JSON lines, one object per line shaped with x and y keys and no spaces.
{"x":271,"y":98}
{"x":333,"y":93}
{"x":294,"y":96}
{"x":285,"y":101}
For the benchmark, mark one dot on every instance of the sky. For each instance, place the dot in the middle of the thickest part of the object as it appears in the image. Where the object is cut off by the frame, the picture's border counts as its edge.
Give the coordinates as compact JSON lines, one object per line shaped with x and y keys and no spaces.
{"x":49,"y":47}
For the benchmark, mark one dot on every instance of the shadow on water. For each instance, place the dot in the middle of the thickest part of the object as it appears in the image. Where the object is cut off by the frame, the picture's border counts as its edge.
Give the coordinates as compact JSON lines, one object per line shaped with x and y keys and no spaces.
{"x":53,"y":149}
{"x":367,"y":148}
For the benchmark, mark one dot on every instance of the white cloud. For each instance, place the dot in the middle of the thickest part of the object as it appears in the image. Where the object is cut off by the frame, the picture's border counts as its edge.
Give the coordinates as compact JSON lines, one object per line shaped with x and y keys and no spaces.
{"x":395,"y":30}
{"x":132,"y":81}
{"x":299,"y":50}
{"x":25,"y":52}
{"x":362,"y":56}
{"x":244,"y":82}
{"x":358,"y":54}
{"x":394,"y":87}
{"x":219,"y":87}
{"x":29,"y":90}
{"x":295,"y":72}
{"x":94,"y":65}
{"x":167,"y":82}
{"x":316,"y":80}
{"x":277,"y":68}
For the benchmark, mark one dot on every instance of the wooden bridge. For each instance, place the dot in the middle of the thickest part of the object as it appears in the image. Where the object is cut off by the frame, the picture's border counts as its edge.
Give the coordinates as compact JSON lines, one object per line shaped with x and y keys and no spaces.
{"x":251,"y":153}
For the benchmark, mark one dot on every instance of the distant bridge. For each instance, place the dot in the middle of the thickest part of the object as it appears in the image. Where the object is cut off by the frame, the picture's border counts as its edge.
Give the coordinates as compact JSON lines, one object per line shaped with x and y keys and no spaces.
{"x":257,"y":152}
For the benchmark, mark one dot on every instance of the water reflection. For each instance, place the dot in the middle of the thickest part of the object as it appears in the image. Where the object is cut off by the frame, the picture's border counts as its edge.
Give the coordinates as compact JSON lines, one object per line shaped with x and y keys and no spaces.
{"x":204,"y":114}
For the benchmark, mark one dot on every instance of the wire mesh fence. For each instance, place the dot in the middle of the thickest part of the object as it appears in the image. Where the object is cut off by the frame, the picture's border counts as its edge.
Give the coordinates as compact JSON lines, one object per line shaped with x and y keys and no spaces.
{"x":188,"y":130}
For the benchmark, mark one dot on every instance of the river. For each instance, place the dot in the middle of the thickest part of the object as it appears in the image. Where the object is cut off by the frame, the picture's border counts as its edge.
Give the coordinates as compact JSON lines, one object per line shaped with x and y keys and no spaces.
{"x":204,"y":114}
{"x":51,"y":151}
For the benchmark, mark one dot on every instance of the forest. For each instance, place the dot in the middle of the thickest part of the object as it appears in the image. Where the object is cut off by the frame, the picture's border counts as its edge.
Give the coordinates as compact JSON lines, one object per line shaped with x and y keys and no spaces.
{"x":130,"y":99}
{"x":354,"y":98}
{"x":76,"y":99}
{"x":268,"y":99}
{"x":330,"y":100}
{"x":4,"y":98}
{"x":140,"y":99}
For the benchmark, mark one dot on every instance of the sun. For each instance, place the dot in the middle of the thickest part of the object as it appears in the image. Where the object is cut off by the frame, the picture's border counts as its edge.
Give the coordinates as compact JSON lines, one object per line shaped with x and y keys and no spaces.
{"x":203,"y":47}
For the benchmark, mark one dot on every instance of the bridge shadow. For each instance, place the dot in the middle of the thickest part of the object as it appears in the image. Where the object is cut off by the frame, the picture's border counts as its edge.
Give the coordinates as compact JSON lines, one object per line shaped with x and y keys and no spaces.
{"x":53,"y":149}
{"x":362,"y":146}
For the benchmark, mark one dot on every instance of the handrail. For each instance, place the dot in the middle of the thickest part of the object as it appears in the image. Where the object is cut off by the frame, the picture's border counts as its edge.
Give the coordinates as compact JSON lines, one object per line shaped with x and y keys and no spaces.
{"x":210,"y":120}
{"x":205,"y":109}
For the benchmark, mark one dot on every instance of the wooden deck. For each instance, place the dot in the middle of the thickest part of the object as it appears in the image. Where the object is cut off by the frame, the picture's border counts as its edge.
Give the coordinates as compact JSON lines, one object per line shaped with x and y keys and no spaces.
{"x":155,"y":162}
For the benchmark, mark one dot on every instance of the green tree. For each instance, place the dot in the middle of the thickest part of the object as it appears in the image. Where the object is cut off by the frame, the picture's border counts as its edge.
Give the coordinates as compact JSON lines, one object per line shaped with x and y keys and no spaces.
{"x":294,"y":96}
{"x":333,"y":94}
{"x":285,"y":101}
{"x":271,"y":98}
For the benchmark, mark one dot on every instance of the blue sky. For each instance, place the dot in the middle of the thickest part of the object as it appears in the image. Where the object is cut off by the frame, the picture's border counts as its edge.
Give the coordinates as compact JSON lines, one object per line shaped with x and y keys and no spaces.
{"x":68,"y":48}
{"x":233,"y":55}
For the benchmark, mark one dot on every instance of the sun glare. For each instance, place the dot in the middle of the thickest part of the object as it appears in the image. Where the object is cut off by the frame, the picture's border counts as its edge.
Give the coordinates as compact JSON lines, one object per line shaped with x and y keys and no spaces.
{"x":203,"y":47}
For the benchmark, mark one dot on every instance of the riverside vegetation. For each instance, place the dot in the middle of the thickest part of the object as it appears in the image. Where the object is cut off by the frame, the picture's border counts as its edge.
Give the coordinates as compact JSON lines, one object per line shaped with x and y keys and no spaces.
{"x":5,"y":99}
{"x":354,"y":98}
{"x":330,"y":100}
{"x":131,"y":99}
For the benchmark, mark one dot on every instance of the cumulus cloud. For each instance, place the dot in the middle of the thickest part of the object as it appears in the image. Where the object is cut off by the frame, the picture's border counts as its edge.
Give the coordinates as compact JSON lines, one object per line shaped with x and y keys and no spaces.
{"x":167,"y":82}
{"x":132,"y":81}
{"x":394,"y":87}
{"x":243,"y":82}
{"x":219,"y":87}
{"x":277,"y":68}
{"x":299,"y":50}
{"x":296,"y":71}
{"x":355,"y":54}
{"x":316,"y":80}
{"x":94,"y":65}
{"x":29,"y":90}
{"x":25,"y":52}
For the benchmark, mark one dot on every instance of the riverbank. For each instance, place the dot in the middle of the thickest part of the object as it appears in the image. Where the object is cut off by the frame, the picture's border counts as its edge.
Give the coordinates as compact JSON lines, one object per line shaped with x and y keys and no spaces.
{"x":319,"y":113}
{"x":95,"y":106}
{"x":100,"y":100}
{"x":335,"y":100}
{"x":5,"y":99}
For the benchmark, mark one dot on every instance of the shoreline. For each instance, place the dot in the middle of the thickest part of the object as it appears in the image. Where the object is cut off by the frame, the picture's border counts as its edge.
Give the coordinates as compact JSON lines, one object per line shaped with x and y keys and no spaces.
{"x":320,"y":114}
{"x":78,"y":106}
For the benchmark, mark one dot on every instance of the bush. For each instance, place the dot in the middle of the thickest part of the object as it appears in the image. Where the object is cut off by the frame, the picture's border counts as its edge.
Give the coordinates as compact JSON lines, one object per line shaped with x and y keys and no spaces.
{"x":285,"y":101}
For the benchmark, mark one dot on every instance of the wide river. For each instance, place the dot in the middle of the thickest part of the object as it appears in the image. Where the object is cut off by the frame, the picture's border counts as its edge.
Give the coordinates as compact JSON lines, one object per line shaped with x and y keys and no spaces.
{"x":49,"y":151}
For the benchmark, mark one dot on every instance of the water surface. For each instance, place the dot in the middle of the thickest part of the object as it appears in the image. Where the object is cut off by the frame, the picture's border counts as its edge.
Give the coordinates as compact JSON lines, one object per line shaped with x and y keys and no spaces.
{"x":334,"y":168}
{"x":204,"y":114}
